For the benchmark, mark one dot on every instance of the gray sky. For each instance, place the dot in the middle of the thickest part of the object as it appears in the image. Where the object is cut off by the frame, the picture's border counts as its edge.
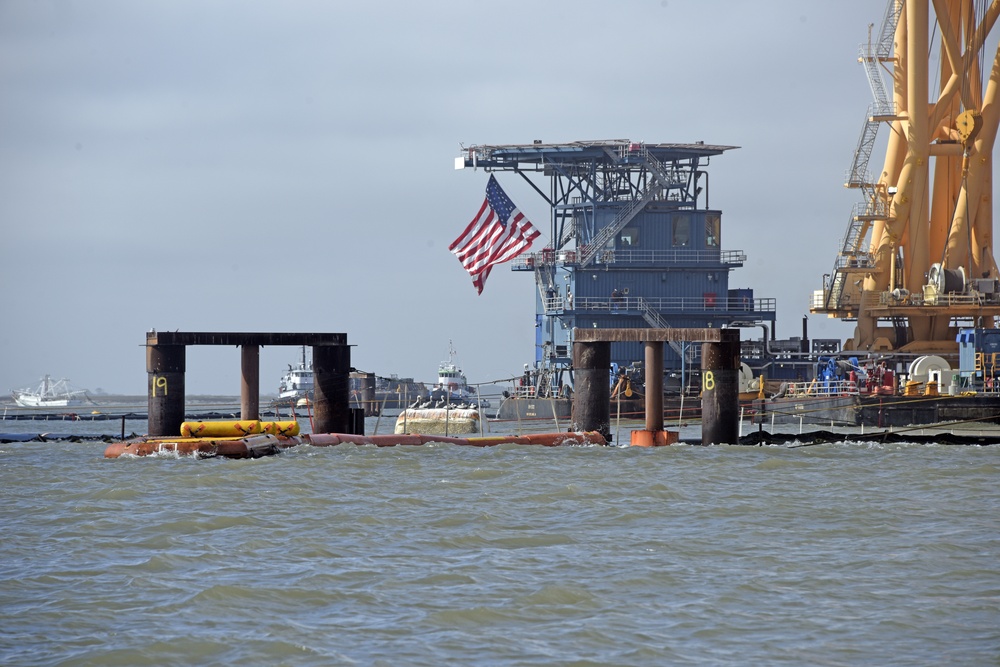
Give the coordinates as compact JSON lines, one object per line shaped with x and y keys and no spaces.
{"x":289,"y":166}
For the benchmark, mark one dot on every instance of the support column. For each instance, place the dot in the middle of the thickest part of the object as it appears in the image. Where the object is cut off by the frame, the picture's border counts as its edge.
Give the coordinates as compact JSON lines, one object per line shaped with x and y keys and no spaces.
{"x":592,"y":383}
{"x":366,"y":395}
{"x":720,"y":390}
{"x":331,"y":394}
{"x":165,"y":365}
{"x":654,"y":386}
{"x":653,"y":435}
{"x":250,"y":382}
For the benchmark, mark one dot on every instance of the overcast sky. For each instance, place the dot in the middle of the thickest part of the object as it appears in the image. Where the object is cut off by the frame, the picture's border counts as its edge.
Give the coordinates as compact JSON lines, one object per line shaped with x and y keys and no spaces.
{"x":289,"y":166}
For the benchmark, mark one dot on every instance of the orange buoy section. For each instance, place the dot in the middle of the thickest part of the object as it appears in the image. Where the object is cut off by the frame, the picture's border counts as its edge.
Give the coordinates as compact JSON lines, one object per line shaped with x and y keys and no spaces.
{"x":648,"y":438}
{"x":265,"y":444}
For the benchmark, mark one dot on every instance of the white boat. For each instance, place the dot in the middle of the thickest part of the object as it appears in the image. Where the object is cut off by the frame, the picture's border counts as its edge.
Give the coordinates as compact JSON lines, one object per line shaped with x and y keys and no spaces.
{"x":298,"y":382}
{"x":49,"y":394}
{"x":452,"y":387}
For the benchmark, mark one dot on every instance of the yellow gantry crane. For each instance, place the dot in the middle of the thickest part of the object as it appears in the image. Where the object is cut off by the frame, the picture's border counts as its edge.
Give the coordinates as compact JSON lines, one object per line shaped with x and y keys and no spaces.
{"x":918,"y":261}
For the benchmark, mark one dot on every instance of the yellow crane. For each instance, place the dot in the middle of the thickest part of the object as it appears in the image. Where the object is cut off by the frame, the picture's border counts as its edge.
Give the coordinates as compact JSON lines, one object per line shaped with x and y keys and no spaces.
{"x":918,"y":261}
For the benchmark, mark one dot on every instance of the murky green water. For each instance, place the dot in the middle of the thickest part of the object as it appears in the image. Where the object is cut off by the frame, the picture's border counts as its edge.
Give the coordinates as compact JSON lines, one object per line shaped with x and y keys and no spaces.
{"x":840,"y":554}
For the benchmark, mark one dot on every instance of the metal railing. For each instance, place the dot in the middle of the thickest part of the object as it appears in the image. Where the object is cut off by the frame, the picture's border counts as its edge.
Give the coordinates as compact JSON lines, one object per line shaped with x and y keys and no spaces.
{"x":663,"y":179}
{"x":676,"y":304}
{"x":821,"y":388}
{"x":729,"y":257}
{"x":625,"y":215}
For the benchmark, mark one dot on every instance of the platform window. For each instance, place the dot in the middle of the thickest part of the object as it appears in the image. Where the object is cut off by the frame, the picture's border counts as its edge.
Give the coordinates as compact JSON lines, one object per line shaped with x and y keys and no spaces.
{"x":629,"y":238}
{"x":681,"y":231}
{"x":712,"y":228}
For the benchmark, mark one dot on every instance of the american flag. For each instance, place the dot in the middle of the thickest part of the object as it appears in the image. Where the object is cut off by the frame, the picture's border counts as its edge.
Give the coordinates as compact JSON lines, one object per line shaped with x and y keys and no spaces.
{"x":497,"y":234}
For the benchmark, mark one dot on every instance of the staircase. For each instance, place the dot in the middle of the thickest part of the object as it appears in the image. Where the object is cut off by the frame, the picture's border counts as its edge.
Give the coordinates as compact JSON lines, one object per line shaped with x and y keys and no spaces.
{"x":543,"y":280}
{"x":625,"y":216}
{"x":836,"y":289}
{"x":655,"y":320}
{"x":874,"y":206}
{"x":663,"y":178}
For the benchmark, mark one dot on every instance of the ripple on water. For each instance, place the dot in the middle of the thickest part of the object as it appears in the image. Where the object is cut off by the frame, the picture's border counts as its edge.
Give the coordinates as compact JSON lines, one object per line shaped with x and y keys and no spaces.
{"x":511,"y":555}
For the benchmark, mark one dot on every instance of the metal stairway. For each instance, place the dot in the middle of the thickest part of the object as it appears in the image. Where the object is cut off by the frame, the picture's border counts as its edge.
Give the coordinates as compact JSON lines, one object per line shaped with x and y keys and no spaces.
{"x":543,"y":279}
{"x":655,"y":320}
{"x":873,"y":206}
{"x":662,"y":178}
{"x":624,"y":217}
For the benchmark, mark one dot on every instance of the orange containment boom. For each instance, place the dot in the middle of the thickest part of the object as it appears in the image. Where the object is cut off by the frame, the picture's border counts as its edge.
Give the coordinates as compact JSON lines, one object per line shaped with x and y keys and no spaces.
{"x":255,"y":446}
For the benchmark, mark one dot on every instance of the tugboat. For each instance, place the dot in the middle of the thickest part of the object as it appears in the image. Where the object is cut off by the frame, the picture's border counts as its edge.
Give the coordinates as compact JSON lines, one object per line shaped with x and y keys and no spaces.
{"x":451,"y":407}
{"x":297,"y":383}
{"x":452,"y":385}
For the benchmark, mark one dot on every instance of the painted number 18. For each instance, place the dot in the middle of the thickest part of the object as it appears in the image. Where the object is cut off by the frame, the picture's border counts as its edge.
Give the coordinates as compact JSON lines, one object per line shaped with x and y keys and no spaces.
{"x":707,"y":381}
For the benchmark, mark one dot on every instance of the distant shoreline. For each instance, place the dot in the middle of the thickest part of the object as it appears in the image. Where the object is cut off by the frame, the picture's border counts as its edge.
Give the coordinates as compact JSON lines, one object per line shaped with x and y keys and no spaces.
{"x":112,"y":400}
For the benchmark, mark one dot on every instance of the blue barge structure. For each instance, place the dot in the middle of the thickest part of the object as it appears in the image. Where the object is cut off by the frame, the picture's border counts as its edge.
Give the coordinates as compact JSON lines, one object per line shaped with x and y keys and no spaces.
{"x":634,"y":243}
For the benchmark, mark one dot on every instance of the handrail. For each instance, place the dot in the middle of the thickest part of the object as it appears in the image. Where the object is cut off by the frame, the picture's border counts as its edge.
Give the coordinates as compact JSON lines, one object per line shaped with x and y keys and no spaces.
{"x":624,"y":216}
{"x":822,"y":388}
{"x":730,"y":257}
{"x":677,"y":304}
{"x":662,"y":179}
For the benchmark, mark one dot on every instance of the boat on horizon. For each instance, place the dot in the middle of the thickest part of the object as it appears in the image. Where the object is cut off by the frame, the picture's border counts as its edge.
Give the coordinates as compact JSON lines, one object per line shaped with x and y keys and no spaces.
{"x":367,"y":390}
{"x":451,"y":407}
{"x":452,"y":386}
{"x":51,"y":394}
{"x":297,"y":383}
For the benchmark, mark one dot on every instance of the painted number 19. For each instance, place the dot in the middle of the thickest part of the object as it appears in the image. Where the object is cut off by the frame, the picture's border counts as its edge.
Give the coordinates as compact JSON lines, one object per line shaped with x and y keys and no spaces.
{"x":160,"y":383}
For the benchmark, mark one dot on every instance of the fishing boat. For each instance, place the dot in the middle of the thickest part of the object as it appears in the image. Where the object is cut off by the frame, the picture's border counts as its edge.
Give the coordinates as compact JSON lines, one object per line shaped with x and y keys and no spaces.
{"x":49,"y":394}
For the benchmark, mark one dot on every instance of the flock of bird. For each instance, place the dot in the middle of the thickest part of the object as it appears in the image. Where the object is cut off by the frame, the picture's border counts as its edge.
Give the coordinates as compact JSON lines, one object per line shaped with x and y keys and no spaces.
{"x":426,"y":404}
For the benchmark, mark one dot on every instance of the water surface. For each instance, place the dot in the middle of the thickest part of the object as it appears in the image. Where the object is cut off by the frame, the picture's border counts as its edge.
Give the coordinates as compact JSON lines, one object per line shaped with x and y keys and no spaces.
{"x":838,"y":554}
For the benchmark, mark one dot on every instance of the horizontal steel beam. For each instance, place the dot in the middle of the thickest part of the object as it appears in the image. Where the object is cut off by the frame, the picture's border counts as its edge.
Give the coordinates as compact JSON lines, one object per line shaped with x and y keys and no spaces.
{"x":237,"y":338}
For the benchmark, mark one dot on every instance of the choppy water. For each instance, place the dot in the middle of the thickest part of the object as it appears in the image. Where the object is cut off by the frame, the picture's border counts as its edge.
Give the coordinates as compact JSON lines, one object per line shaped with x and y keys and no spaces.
{"x":840,"y":554}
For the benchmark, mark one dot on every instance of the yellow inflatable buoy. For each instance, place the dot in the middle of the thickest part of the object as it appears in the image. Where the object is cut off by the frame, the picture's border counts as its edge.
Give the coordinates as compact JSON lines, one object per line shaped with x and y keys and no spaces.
{"x":220,"y":429}
{"x":285,"y":428}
